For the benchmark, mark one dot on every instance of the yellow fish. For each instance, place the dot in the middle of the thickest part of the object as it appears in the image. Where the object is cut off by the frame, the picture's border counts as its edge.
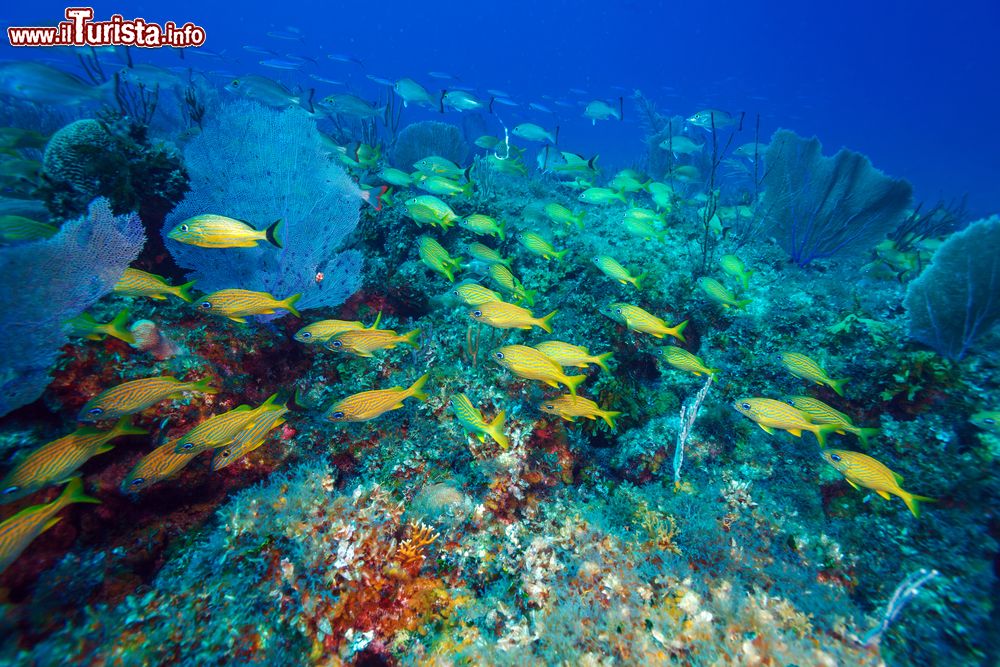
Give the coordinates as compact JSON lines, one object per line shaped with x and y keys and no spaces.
{"x":137,"y":395}
{"x":988,"y":420}
{"x":487,"y":254}
{"x":734,"y":267}
{"x":435,"y":164}
{"x":238,"y":304}
{"x":566,"y":354}
{"x":683,"y":360}
{"x":506,"y":281}
{"x":429,"y":210}
{"x":641,"y":223}
{"x":86,"y":326}
{"x":861,"y":470}
{"x":437,"y":258}
{"x":504,"y":315}
{"x":539,"y":246}
{"x":139,"y":283}
{"x":220,"y":429}
{"x":363,"y":342}
{"x":477,"y":223}
{"x":250,"y":438}
{"x":529,"y":363}
{"x":324,"y":330}
{"x":160,"y":464}
{"x":218,"y":231}
{"x":472,"y":421}
{"x":771,"y":414}
{"x":370,"y":404}
{"x":803,"y":367}
{"x":821,"y":413}
{"x":19,"y":229}
{"x":473,"y":294}
{"x":570,"y":407}
{"x":719,"y":293}
{"x":637,"y":319}
{"x":600,"y":196}
{"x":57,"y":461}
{"x":441,"y":185}
{"x":662,"y":195}
{"x":559,"y":213}
{"x":610,"y":267}
{"x":17,"y":532}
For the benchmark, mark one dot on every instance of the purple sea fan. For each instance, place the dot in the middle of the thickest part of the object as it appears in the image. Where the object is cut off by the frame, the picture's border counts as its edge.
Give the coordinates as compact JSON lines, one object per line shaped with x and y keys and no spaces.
{"x":258,"y":164}
{"x":51,"y":281}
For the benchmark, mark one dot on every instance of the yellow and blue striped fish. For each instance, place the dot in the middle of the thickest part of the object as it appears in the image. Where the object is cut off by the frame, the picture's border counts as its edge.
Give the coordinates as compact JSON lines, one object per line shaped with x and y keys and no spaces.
{"x":477,"y":223}
{"x":610,"y":267}
{"x":803,"y":367}
{"x":719,"y":293}
{"x":567,"y":354}
{"x":556,"y":212}
{"x":56,"y":461}
{"x":429,"y":210}
{"x":221,"y":429}
{"x":472,"y":421}
{"x":637,"y":319}
{"x":137,"y":395}
{"x":19,"y":229}
{"x":862,"y":471}
{"x":538,"y":245}
{"x":363,"y":342}
{"x":487,"y":255}
{"x":473,"y":294}
{"x":821,"y":413}
{"x":771,"y":414}
{"x":250,"y":438}
{"x":734,"y":266}
{"x":237,"y":304}
{"x":324,"y":330}
{"x":160,"y":464}
{"x":506,"y":281}
{"x":503,"y":315}
{"x":17,"y":532}
{"x":139,"y":283}
{"x":683,"y":360}
{"x":529,"y":363}
{"x":219,"y":231}
{"x":367,"y":405}
{"x":434,"y":255}
{"x":570,"y":407}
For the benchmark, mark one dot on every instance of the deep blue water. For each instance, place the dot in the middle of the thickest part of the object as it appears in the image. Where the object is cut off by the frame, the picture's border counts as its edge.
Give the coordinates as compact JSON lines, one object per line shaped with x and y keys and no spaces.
{"x":911,"y":84}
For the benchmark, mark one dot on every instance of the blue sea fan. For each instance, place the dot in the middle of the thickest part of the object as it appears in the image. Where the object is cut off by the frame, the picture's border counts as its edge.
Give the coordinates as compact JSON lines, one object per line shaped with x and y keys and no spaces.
{"x":258,"y":164}
{"x":51,"y":281}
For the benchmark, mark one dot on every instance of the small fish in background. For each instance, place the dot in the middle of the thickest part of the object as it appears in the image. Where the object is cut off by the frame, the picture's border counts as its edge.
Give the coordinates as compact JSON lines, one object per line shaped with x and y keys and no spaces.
{"x":412,"y":92}
{"x":804,"y":367}
{"x":396,"y":177}
{"x":556,"y":212}
{"x":362,"y":342}
{"x":162,"y":463}
{"x":278,"y":63}
{"x":444,"y":76}
{"x":988,"y":420}
{"x":85,"y":326}
{"x":435,"y":257}
{"x":770,"y":414}
{"x":484,"y":225}
{"x":629,"y":181}
{"x":351,"y":106}
{"x":368,"y":405}
{"x":474,"y":294}
{"x":19,"y":229}
{"x":429,"y":210}
{"x":733,"y":266}
{"x":532,"y":132}
{"x":601,"y":110}
{"x":567,"y":354}
{"x":821,"y":413}
{"x":749,"y":151}
{"x":137,"y":395}
{"x":721,"y":294}
{"x":139,"y":283}
{"x":662,"y":196}
{"x":686,"y":173}
{"x":49,"y":86}
{"x":459,"y":100}
{"x":502,"y":315}
{"x":472,"y":421}
{"x":324,"y":330}
{"x":571,"y":407}
{"x":506,"y":281}
{"x":610,"y":267}
{"x":601,"y":196}
{"x":345,"y":58}
{"x":13,"y":139}
{"x":219,"y":231}
{"x":487,"y":141}
{"x":683,"y":360}
{"x":637,"y":319}
{"x":681,"y":145}
{"x":539,"y":245}
{"x":642,"y":223}
{"x":705,"y":118}
{"x":17,"y":532}
{"x":57,"y":461}
{"x":862,"y":471}
{"x":267,"y":91}
{"x":529,"y":363}
{"x":486,"y":254}
{"x":238,"y":304}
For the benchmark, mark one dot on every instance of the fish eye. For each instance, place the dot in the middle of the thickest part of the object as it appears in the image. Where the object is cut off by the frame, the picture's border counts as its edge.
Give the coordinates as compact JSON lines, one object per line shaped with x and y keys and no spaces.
{"x":477,"y":313}
{"x":138,"y":481}
{"x":745,"y":406}
{"x":550,"y":407}
{"x":187,"y":445}
{"x":184,"y":228}
{"x":10,"y":489}
{"x":618,"y":310}
{"x":236,"y":83}
{"x":224,"y":454}
{"x":306,"y":334}
{"x":337,"y":415}
{"x":990,"y":421}
{"x":95,"y":411}
{"x":834,"y":457}
{"x":206,"y":305}
{"x":499,"y":355}
{"x":336,"y":343}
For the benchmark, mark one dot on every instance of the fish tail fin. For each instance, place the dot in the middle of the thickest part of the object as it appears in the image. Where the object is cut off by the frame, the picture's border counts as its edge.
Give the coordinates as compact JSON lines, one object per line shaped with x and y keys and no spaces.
{"x":639,"y":279}
{"x":745,"y":278}
{"x":560,"y":255}
{"x":374,"y":196}
{"x":502,"y":230}
{"x":124,"y":427}
{"x":449,"y":271}
{"x":865,"y":433}
{"x":411,"y":338}
{"x":742,"y":303}
{"x":546,"y":322}
{"x":578,"y":219}
{"x":203,"y":385}
{"x":602,"y":359}
{"x":823,"y":430}
{"x":712,"y":371}
{"x":271,"y":234}
{"x":912,"y":502}
{"x":467,"y":188}
{"x":609,"y":417}
{"x":574,"y":381}
{"x":416,"y":389}
{"x":73,"y":493}
{"x":529,"y":296}
{"x":289,"y":304}
{"x":678,"y":331}
{"x":116,"y":327}
{"x":838,"y":385}
{"x":495,"y":429}
{"x":184,"y":291}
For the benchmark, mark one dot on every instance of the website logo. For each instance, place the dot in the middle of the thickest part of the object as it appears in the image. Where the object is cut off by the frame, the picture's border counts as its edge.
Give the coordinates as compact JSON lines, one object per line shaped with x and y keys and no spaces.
{"x":80,"y":29}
